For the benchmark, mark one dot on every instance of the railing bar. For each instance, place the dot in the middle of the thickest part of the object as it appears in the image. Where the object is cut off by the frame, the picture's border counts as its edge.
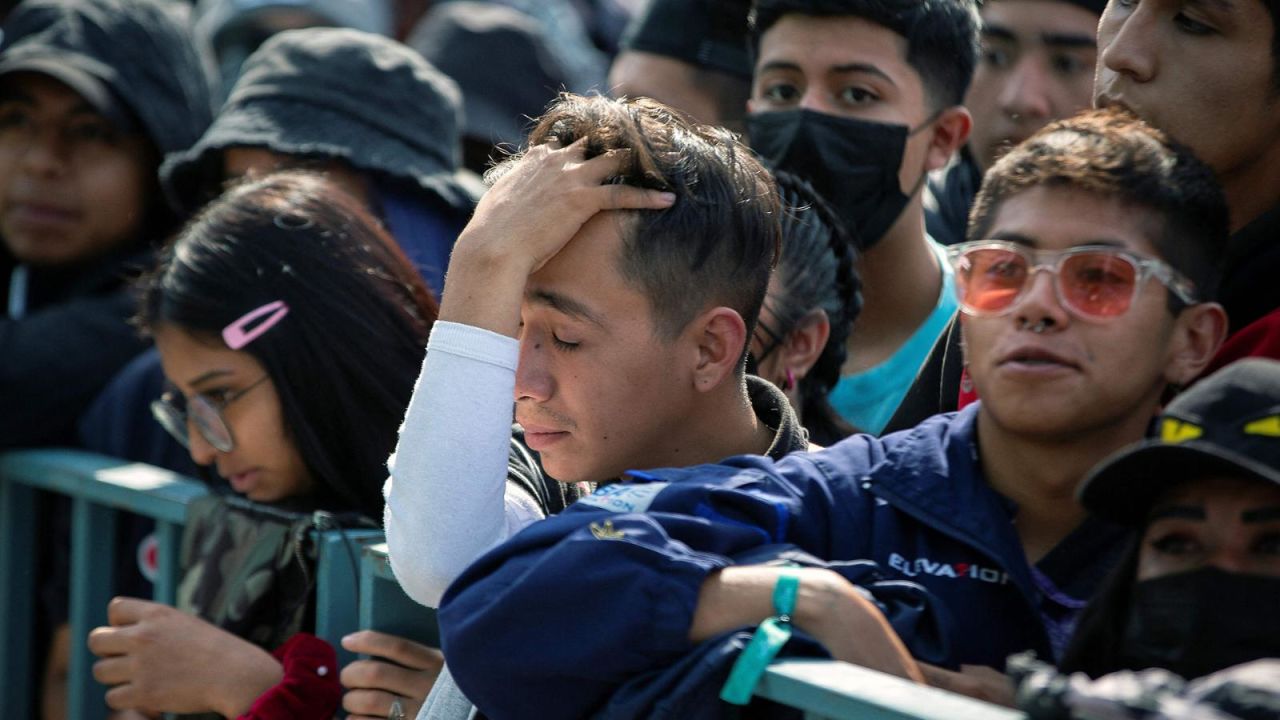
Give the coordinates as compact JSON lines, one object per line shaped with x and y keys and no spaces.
{"x":93,"y":529}
{"x":137,"y":488}
{"x":169,"y":550}
{"x":17,"y":609}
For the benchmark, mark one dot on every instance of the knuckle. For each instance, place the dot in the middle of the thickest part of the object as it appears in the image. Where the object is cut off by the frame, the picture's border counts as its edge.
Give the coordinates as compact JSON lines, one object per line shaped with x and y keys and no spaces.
{"x":360,"y":701}
{"x":117,"y":699}
{"x":355,"y":675}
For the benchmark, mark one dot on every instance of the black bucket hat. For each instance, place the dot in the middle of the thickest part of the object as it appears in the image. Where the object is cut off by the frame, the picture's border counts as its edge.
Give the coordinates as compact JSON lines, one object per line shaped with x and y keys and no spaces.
{"x":342,"y":94}
{"x":132,"y":60}
{"x":1227,"y":423}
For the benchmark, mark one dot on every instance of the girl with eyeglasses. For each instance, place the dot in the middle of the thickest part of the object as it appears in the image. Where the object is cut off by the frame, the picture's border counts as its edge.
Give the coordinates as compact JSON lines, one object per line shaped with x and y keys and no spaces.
{"x":291,"y":330}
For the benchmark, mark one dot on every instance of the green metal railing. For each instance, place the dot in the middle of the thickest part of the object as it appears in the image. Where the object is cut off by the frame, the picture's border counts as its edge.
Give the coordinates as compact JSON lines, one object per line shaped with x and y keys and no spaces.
{"x":386,"y":608}
{"x":832,"y":690}
{"x":100,"y":488}
{"x":354,"y":590}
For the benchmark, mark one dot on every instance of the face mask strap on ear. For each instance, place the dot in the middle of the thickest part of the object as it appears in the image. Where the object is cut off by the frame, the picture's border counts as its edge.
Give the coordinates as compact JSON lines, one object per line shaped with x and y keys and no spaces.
{"x":238,"y":334}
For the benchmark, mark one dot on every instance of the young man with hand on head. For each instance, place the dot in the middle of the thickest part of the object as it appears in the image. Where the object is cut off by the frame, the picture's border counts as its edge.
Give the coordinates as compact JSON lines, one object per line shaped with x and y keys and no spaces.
{"x":609,"y":282}
{"x":862,"y":99}
{"x":978,"y":507}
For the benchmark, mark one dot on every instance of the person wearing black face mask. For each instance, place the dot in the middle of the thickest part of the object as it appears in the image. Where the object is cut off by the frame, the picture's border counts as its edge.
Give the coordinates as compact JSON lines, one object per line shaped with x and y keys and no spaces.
{"x":1199,"y":591}
{"x":861,"y":99}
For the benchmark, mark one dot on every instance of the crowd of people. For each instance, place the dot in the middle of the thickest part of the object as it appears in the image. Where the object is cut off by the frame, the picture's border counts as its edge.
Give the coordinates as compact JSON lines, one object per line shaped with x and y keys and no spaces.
{"x":650,"y":331}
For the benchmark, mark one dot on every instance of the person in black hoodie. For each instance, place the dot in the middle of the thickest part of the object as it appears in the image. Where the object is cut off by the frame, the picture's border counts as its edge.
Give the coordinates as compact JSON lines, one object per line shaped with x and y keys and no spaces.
{"x":92,"y":95}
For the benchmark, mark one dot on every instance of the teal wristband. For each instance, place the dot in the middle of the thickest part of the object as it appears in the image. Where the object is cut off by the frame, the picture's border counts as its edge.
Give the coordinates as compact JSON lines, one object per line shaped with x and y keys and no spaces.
{"x":768,"y":640}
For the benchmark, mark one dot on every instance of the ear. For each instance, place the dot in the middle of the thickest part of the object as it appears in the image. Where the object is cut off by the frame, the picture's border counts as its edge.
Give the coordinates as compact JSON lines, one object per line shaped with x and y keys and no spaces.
{"x":721,"y":337}
{"x":804,"y":344}
{"x":950,"y":132}
{"x":1198,"y":333}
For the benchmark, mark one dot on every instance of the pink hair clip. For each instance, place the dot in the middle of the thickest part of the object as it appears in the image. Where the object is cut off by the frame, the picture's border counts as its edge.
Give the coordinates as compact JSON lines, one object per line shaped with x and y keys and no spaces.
{"x":237,"y":336}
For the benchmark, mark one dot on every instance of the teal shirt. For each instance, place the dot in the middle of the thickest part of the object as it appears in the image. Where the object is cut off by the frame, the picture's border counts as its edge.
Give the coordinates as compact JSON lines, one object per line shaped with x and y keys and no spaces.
{"x":869,"y":398}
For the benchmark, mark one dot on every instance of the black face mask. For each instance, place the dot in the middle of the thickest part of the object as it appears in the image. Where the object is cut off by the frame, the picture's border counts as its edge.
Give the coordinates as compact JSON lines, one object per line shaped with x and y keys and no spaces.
{"x":852,"y":164}
{"x":1195,"y":623}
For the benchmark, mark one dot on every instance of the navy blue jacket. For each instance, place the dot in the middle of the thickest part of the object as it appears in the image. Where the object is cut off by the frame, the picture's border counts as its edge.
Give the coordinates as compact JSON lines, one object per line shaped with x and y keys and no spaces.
{"x":562,"y":615}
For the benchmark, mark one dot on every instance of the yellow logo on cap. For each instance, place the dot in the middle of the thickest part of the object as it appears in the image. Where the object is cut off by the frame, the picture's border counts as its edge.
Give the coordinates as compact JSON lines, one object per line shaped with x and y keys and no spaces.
{"x":1174,"y":431}
{"x":606,"y":531}
{"x":1267,"y":427}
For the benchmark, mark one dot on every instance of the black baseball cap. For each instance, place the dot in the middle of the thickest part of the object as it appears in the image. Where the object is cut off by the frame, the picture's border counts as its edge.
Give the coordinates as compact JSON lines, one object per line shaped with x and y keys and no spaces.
{"x":1228,"y":423}
{"x":711,"y":34}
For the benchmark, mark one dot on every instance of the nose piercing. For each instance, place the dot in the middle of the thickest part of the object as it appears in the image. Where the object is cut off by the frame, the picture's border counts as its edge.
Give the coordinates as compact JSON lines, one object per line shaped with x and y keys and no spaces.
{"x":1038,"y":328}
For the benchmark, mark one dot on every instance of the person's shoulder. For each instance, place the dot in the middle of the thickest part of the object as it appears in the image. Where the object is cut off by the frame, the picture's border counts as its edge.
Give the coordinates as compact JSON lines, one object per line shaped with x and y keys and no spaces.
{"x":896,"y":454}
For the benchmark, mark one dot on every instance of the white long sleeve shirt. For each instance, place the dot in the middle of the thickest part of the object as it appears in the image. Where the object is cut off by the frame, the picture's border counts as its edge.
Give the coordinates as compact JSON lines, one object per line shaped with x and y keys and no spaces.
{"x":447,"y":499}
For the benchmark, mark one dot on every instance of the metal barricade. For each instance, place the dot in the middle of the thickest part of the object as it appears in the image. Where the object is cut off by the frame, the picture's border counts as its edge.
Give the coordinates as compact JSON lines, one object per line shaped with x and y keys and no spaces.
{"x":832,"y":690}
{"x":100,"y":488}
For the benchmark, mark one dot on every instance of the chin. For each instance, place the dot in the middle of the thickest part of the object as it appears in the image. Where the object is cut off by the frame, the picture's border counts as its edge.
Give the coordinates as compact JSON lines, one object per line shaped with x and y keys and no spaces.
{"x":566,"y":472}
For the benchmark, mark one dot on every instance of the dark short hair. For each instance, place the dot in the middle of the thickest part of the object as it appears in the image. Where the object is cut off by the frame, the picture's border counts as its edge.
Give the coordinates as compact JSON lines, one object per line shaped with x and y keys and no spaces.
{"x":1114,"y":154}
{"x":345,"y":358}
{"x":942,"y":35}
{"x":718,"y":243}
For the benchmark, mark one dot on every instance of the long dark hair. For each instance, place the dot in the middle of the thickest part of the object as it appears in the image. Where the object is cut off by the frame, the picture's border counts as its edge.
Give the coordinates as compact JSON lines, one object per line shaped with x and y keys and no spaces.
{"x":345,"y":358}
{"x":816,"y":270}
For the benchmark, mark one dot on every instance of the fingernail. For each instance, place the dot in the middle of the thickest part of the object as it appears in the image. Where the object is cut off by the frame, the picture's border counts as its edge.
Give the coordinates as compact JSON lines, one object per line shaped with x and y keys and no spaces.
{"x":667,"y":197}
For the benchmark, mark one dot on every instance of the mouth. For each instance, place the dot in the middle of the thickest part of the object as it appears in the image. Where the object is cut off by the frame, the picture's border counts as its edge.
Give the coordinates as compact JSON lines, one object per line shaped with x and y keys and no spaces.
{"x":243,"y":482}
{"x":1111,"y":102}
{"x":37,"y":213}
{"x":1036,"y":359}
{"x":540,"y":437}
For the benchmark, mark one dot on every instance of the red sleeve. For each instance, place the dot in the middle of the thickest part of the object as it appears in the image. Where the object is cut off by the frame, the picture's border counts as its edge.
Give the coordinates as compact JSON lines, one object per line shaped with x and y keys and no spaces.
{"x":310,"y":689}
{"x":1260,"y":338}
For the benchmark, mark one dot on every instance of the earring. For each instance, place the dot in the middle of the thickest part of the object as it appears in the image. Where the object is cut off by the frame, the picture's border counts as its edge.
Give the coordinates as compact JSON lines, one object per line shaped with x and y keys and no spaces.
{"x":790,"y":382}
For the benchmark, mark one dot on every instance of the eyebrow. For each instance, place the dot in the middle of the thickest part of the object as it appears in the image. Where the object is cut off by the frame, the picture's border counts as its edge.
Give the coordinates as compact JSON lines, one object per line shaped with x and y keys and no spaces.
{"x":1185,"y":512}
{"x":1031,"y":242}
{"x":205,"y":377}
{"x":1067,"y":41}
{"x":1264,"y":514}
{"x":1223,"y":5}
{"x":82,"y":106}
{"x":565,"y":304}
{"x":12,"y":94}
{"x":866,"y":68}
